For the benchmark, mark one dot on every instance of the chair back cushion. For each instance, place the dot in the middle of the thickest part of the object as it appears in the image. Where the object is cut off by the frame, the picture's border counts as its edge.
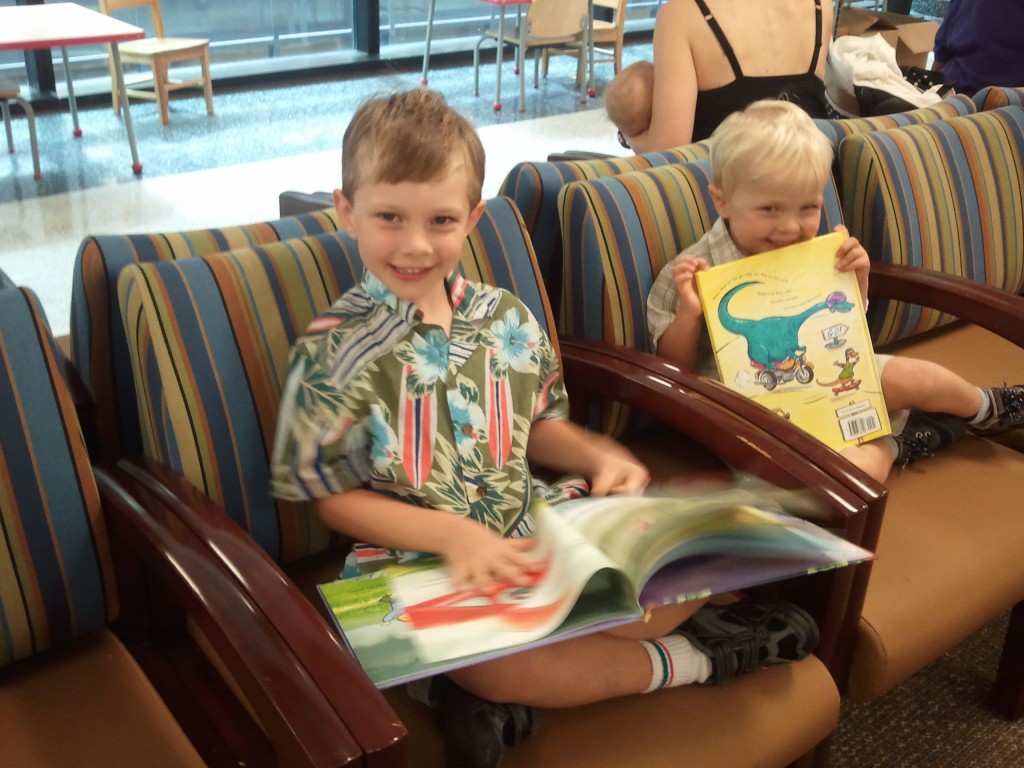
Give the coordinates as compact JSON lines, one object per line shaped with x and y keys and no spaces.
{"x":209,"y":349}
{"x":995,"y":96}
{"x":954,"y":106}
{"x":945,"y":196}
{"x":98,"y":346}
{"x":5,"y":281}
{"x":56,"y":578}
{"x":534,"y":188}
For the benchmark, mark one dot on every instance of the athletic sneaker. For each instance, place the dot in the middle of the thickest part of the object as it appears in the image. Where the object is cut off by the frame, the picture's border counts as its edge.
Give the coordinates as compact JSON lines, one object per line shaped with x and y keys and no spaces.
{"x":476,"y":731}
{"x":748,"y":635}
{"x":926,"y":433}
{"x":1008,"y":411}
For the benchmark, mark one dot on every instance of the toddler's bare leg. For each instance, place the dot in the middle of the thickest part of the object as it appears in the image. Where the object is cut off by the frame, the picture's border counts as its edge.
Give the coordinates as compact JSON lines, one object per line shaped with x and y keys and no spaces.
{"x":911,"y":383}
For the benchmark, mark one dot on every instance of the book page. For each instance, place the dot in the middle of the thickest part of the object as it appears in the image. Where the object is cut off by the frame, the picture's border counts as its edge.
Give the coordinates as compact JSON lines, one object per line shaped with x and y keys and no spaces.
{"x":789,"y":332}
{"x":688,"y":547}
{"x":407,"y":621}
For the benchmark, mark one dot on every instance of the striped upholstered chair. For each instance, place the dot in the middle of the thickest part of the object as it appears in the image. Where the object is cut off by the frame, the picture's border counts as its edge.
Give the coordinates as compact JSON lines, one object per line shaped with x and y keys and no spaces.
{"x":940,"y":208}
{"x":5,"y":281}
{"x":534,"y":188}
{"x":210,"y":339}
{"x":75,"y":559}
{"x":954,"y":106}
{"x":98,"y":348}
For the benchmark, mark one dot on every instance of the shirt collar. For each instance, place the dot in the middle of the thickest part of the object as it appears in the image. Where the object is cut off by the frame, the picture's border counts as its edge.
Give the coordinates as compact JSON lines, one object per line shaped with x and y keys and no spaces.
{"x":460,"y":291}
{"x":720,"y":240}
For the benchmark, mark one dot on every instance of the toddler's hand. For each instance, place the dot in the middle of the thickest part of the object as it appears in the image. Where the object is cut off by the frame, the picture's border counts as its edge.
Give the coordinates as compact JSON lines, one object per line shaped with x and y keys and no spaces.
{"x":479,"y":557}
{"x":851,"y":257}
{"x":682,"y":274}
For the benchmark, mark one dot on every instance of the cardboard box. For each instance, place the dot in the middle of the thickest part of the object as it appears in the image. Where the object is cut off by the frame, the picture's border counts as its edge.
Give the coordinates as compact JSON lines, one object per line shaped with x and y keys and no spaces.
{"x":912,"y":38}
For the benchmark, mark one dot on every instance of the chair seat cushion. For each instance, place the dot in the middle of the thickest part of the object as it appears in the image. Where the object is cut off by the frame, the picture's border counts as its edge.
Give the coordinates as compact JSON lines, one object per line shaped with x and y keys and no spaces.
{"x":90,"y":705}
{"x":785,"y":711}
{"x":955,"y":521}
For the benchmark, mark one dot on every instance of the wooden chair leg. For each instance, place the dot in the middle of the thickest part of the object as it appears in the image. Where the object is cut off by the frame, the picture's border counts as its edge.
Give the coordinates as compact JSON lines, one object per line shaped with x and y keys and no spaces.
{"x":1008,"y":696}
{"x":161,"y":91}
{"x":115,"y":94}
{"x":207,"y":83}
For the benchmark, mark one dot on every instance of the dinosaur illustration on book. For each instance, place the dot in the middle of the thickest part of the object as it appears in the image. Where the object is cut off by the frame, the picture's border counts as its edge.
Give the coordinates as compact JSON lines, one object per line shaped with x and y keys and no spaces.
{"x":773,"y":343}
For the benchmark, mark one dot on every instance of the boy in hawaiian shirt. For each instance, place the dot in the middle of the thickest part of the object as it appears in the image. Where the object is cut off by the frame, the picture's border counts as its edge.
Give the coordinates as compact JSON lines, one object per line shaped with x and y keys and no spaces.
{"x":412,"y":411}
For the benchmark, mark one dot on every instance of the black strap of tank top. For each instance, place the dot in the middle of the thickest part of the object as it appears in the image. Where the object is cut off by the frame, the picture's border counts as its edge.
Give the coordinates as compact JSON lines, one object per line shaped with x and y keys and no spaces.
{"x":722,"y":40}
{"x":817,"y":36}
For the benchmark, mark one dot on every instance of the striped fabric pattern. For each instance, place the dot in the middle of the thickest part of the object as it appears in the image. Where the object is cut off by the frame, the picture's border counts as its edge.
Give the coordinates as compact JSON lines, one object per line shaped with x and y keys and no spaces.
{"x":994,"y":97}
{"x":954,"y":106}
{"x":945,"y":196}
{"x":56,"y":578}
{"x":534,"y":188}
{"x":208,"y":344}
{"x":209,"y":341}
{"x":98,"y":347}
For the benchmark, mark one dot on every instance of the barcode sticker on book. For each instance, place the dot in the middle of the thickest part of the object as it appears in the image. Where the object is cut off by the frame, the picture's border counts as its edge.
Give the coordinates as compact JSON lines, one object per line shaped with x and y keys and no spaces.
{"x":858,"y":420}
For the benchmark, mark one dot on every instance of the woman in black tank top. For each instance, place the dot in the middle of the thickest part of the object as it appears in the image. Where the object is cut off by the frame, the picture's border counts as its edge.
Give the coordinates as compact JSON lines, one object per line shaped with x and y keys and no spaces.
{"x":805,"y":89}
{"x":683,"y":111}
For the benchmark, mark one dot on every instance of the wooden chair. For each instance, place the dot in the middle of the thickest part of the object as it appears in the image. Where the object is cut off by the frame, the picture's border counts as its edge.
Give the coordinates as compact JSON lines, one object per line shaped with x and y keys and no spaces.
{"x":608,"y":40}
{"x":546,"y":23}
{"x":209,"y":372}
{"x":9,"y":92}
{"x":124,"y":644}
{"x":158,"y":53}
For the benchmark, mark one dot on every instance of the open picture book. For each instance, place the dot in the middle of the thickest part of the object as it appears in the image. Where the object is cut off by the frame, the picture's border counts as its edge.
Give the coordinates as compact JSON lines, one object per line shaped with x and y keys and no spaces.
{"x":600,"y":562}
{"x":789,"y":331}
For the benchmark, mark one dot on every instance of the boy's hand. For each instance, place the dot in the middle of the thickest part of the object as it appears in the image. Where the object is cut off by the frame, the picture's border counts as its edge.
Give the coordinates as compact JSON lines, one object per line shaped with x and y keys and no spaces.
{"x":479,"y":557}
{"x":618,"y":471}
{"x":682,"y":274}
{"x":851,"y":256}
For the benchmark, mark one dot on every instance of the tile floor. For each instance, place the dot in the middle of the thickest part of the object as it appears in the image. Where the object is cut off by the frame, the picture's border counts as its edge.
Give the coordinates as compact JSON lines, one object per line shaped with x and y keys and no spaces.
{"x":229,"y":169}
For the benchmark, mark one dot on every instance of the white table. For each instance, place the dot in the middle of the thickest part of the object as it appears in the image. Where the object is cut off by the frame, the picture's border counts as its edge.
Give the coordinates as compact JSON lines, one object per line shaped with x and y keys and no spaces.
{"x":62,"y":25}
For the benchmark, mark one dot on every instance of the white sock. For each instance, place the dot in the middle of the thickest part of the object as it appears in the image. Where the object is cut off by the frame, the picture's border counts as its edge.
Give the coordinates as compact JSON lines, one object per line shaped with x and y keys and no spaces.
{"x":986,"y":411}
{"x":894,"y":446}
{"x":675,"y":661}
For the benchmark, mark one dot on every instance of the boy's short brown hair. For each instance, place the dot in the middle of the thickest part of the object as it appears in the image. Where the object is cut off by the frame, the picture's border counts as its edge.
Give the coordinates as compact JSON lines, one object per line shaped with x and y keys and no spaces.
{"x":409,"y":136}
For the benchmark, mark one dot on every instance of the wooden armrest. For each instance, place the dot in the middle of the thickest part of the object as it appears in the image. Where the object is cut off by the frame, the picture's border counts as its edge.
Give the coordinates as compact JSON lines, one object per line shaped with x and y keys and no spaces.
{"x":316,"y":694}
{"x":734,"y":427}
{"x":992,"y":308}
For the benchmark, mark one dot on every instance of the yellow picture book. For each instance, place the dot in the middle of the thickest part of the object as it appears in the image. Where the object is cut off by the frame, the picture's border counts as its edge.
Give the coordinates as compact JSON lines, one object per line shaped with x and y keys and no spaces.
{"x":789,"y":331}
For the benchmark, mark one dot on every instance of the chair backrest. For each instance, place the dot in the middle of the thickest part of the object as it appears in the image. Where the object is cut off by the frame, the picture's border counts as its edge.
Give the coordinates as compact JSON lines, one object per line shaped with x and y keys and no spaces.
{"x":56,"y":577}
{"x":109,"y":6}
{"x":6,"y":281}
{"x":99,"y":349}
{"x":947,"y":196}
{"x":617,"y":8}
{"x":210,"y":340}
{"x":995,"y":96}
{"x":837,"y":130}
{"x":534,"y":188}
{"x":556,"y":18}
